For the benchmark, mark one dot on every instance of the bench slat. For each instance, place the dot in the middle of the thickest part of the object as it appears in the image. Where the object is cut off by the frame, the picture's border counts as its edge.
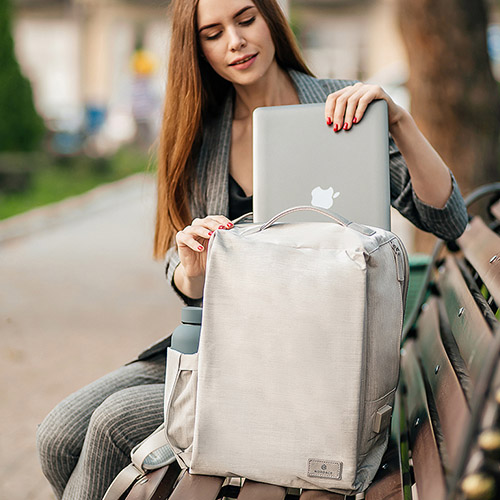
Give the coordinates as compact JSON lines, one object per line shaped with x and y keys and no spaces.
{"x":387,"y":484}
{"x":399,"y":432}
{"x":160,"y":482}
{"x":388,"y":488}
{"x":448,"y":395}
{"x":480,"y":245}
{"x":427,"y":467}
{"x":470,"y":330}
{"x":259,"y":491}
{"x":197,"y":487}
{"x":320,"y":495}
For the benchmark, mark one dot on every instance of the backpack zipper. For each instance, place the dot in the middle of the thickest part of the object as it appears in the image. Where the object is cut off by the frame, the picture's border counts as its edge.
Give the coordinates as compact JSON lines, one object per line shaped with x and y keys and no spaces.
{"x":402,"y":264}
{"x":399,"y":261}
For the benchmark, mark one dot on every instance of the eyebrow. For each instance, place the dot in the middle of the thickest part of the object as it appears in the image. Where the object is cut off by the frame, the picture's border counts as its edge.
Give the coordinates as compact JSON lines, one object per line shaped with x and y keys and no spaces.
{"x":241,"y":11}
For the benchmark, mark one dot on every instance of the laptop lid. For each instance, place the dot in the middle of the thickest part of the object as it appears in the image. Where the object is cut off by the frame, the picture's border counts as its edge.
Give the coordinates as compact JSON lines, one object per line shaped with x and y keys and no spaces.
{"x":299,"y":160}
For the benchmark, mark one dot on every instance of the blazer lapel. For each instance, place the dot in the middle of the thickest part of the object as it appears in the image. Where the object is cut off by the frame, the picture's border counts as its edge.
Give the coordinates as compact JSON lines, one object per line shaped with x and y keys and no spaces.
{"x":309,"y":89}
{"x":213,"y":163}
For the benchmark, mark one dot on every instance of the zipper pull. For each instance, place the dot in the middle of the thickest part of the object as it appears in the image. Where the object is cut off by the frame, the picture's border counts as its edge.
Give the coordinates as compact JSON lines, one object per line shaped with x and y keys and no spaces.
{"x":400,"y":266}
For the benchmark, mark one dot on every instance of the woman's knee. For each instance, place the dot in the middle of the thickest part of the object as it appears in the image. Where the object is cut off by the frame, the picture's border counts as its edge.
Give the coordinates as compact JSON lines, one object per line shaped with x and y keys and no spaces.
{"x":61,"y":434}
{"x":105,"y":418}
{"x":47,"y":437}
{"x":59,"y":440}
{"x":125,"y":417}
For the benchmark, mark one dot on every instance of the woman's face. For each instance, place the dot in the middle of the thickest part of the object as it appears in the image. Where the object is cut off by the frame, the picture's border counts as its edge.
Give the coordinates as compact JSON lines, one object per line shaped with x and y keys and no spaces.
{"x":235,"y":40}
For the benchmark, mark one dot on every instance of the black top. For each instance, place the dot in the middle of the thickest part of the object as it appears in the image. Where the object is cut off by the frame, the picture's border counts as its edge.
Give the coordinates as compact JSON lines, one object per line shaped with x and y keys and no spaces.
{"x":239,"y":202}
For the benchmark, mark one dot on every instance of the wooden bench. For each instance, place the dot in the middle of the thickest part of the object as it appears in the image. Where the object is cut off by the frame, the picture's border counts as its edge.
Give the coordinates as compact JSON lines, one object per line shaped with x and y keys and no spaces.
{"x":448,"y":399}
{"x":445,"y":441}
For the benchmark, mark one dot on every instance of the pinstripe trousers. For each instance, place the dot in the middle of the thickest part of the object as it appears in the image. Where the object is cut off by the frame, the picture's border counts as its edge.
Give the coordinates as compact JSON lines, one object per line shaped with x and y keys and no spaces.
{"x":86,"y":439}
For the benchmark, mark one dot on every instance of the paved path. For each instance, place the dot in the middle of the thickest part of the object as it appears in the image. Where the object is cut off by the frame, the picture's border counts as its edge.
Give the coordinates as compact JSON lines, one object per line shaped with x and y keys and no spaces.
{"x":79,"y":296}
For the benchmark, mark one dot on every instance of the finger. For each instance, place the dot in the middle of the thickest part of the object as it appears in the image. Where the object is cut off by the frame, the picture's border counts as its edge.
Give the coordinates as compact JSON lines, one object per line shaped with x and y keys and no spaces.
{"x":352,"y":104}
{"x":213,"y":222}
{"x":329,"y":107}
{"x":356,"y":106}
{"x":341,"y":105}
{"x":223,"y":221}
{"x":188,"y":240}
{"x":207,"y":222}
{"x":373,"y":92}
{"x":199,"y":232}
{"x":210,"y":224}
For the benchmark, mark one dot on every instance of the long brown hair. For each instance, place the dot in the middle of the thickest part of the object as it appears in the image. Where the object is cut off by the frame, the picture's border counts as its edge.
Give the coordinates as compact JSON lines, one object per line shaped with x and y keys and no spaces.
{"x":195,"y":91}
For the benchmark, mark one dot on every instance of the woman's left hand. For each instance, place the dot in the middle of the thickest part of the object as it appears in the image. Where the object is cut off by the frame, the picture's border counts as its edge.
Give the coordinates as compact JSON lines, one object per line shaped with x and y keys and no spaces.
{"x":347,"y":106}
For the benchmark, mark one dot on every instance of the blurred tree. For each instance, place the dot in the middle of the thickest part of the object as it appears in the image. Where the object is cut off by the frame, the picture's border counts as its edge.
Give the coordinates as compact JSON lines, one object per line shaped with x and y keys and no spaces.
{"x":454,"y":98}
{"x":21,"y":128}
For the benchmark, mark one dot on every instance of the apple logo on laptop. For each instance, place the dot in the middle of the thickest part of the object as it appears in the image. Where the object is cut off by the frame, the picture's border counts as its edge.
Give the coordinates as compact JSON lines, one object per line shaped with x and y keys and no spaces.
{"x":323,"y":198}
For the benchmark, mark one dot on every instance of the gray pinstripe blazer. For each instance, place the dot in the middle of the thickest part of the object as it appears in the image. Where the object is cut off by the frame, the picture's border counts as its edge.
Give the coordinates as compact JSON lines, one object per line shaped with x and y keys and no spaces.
{"x":212,"y":172}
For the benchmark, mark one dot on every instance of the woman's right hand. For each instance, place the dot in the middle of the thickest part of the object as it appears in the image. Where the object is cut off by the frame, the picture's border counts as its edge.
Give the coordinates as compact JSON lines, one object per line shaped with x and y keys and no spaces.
{"x":192,"y":243}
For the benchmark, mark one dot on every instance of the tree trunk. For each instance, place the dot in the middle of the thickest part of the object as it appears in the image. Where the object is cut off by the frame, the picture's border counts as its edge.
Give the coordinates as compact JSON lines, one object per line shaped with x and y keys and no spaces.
{"x":454,"y":97}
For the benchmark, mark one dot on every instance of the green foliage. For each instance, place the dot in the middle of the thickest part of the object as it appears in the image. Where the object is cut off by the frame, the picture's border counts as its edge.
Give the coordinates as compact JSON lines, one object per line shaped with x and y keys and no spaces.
{"x":21,"y":128}
{"x":56,"y":179}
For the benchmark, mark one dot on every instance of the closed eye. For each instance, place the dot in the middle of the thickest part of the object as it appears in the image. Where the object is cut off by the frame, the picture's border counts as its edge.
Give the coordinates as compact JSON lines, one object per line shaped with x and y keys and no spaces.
{"x":247,"y":22}
{"x":214,"y":36}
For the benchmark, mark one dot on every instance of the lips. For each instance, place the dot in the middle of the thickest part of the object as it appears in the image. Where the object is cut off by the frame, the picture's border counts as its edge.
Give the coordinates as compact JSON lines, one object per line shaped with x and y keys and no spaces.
{"x":243,"y":60}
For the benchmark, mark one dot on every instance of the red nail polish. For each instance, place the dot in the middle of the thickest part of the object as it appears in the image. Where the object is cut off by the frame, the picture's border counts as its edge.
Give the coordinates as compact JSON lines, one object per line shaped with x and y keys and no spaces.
{"x":200,"y":248}
{"x":336,"y":128}
{"x":210,"y":233}
{"x":329,"y":121}
{"x":230,"y":224}
{"x":346,"y":126}
{"x":221,"y":227}
{"x":354,"y":120}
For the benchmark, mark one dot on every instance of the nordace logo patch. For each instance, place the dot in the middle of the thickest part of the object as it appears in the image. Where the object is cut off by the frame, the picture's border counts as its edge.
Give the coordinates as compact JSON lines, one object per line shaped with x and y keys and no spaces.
{"x":325,"y":469}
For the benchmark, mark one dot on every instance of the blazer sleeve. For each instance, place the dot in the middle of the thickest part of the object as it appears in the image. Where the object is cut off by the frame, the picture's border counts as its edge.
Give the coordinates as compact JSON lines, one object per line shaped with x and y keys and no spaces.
{"x":171,"y":262}
{"x":447,"y":223}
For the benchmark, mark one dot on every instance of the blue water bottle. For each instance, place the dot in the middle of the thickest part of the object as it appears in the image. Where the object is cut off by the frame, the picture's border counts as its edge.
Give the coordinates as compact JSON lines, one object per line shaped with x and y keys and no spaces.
{"x":186,"y":336}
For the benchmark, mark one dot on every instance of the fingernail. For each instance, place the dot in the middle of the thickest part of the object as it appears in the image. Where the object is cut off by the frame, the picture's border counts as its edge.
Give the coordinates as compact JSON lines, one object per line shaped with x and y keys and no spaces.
{"x":346,"y":126}
{"x":329,"y":121}
{"x":210,"y":233}
{"x":354,"y":120}
{"x":200,"y":248}
{"x":230,"y":224}
{"x":221,"y":227}
{"x":336,"y":128}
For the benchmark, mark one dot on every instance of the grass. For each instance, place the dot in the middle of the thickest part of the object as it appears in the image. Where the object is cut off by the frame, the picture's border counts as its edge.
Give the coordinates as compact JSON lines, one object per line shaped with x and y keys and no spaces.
{"x":56,"y":179}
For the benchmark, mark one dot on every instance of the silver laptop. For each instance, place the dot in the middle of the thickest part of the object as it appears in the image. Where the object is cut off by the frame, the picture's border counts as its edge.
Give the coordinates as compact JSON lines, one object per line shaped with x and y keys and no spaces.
{"x":299,"y":160}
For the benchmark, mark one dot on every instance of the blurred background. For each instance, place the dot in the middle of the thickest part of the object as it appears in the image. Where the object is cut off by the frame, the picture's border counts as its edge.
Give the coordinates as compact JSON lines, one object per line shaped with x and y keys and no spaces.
{"x":81,"y":90}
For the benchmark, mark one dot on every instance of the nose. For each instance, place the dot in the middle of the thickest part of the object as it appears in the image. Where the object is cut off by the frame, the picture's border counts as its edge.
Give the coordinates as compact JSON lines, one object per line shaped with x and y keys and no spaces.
{"x":236,"y":40}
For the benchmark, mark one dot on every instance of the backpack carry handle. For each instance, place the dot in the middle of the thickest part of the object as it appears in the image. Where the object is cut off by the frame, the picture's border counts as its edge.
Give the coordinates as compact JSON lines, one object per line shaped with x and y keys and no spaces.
{"x":339,"y":219}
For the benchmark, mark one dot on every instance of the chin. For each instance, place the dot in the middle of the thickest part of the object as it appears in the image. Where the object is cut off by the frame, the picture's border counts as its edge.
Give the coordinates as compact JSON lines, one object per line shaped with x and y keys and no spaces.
{"x":248,"y":79}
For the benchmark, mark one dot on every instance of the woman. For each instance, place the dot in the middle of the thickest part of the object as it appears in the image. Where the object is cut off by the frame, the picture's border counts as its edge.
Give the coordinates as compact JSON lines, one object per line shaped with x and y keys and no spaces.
{"x":245,"y":57}
{"x":227,"y":58}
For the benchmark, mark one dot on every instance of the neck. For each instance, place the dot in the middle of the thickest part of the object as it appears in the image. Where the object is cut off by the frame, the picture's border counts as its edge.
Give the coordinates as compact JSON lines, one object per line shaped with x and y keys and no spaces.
{"x":273,"y":89}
